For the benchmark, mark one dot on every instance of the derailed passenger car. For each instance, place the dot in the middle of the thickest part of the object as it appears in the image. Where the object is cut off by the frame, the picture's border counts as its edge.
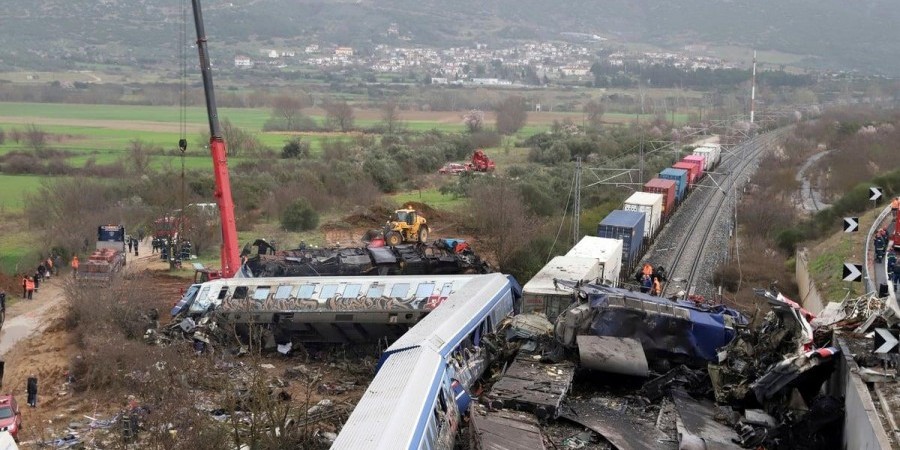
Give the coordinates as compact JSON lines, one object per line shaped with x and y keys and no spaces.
{"x":675,"y":331}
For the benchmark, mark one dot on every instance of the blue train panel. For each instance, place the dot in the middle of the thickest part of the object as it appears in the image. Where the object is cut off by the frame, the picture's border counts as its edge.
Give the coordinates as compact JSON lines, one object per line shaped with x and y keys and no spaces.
{"x":680,"y":176}
{"x":627,"y":226}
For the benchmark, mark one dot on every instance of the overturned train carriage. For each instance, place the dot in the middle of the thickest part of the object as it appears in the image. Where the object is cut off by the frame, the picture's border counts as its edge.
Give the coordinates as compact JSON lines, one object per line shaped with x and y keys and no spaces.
{"x":677,"y":331}
{"x":349,"y":309}
{"x":413,"y":259}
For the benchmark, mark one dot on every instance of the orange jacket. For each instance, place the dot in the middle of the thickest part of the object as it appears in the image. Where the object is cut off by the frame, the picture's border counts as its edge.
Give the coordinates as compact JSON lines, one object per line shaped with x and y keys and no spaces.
{"x":647,"y":270}
{"x":656,"y":286}
{"x":75,"y":262}
{"x":895,"y":203}
{"x":29,"y":284}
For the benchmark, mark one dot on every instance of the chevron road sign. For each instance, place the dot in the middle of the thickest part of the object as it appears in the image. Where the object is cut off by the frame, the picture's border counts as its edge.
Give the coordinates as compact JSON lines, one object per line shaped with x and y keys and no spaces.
{"x":886,"y":341}
{"x":876,"y":193}
{"x":851,"y":224}
{"x":852,"y":272}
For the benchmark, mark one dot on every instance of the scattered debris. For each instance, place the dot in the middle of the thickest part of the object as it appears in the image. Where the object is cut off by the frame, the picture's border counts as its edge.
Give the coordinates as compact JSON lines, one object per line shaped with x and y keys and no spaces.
{"x":507,"y":430}
{"x":530,"y":385}
{"x":614,"y":355}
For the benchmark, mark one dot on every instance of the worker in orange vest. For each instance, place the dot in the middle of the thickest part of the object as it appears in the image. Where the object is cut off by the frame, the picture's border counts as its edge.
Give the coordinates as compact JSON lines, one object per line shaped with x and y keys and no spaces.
{"x":895,"y":205}
{"x":29,"y":287}
{"x":647,"y":270}
{"x":657,"y":289}
{"x":49,"y":265}
{"x":75,"y":266}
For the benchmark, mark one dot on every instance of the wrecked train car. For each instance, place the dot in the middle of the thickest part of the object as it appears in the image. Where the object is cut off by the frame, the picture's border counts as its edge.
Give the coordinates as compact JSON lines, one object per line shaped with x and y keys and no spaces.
{"x":321,"y":309}
{"x":422,"y":388}
{"x":675,"y":331}
{"x":438,"y":257}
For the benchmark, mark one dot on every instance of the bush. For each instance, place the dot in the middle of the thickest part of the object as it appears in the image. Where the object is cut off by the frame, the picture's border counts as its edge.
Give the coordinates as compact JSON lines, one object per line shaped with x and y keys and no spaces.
{"x":299,"y":216}
{"x":295,"y":148}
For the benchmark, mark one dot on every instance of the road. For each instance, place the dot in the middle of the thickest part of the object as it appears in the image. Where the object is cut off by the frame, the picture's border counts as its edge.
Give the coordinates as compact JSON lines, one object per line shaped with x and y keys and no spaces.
{"x":810,"y":199}
{"x":28,"y":317}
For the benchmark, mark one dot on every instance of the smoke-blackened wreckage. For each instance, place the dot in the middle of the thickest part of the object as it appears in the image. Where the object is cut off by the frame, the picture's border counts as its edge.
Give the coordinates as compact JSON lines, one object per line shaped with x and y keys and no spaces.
{"x":616,"y":369}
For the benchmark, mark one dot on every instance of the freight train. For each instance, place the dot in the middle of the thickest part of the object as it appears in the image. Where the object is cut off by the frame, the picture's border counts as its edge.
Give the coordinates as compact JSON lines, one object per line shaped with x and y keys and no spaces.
{"x":644,"y":214}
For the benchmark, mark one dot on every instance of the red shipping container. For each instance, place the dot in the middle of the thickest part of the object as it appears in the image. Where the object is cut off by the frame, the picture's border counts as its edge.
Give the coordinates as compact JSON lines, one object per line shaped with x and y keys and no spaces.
{"x":698,"y":160}
{"x":692,"y":171}
{"x":667,"y":189}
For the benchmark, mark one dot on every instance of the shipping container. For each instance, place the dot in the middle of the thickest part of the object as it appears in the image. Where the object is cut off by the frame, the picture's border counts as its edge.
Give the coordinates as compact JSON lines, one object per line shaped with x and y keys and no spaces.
{"x":692,"y":171}
{"x":710,"y":155}
{"x":667,"y":189}
{"x":680,"y":177}
{"x":608,"y":252}
{"x":649,"y":203}
{"x":697,"y":160}
{"x":628,"y":226}
{"x":540,"y":293}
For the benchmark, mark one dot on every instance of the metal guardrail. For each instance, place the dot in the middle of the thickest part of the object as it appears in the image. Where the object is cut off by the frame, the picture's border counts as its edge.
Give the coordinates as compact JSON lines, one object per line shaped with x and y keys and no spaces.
{"x":870,"y":281}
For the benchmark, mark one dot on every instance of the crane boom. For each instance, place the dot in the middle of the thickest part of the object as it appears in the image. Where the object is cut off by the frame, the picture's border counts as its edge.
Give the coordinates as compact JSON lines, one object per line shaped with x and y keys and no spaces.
{"x":230,"y":257}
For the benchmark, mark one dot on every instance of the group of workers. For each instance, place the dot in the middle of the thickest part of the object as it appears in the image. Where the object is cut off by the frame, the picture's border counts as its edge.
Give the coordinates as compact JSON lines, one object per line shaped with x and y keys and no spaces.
{"x":650,"y":283}
{"x":885,"y":254}
{"x":45,"y":269}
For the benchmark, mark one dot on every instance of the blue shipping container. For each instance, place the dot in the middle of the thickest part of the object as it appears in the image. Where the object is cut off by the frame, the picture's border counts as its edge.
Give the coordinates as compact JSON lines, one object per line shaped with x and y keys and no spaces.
{"x":680,"y":176}
{"x":627,"y":226}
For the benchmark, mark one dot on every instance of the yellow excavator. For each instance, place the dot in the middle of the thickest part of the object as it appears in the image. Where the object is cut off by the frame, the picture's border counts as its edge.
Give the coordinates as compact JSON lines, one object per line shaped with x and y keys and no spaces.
{"x":405,"y":225}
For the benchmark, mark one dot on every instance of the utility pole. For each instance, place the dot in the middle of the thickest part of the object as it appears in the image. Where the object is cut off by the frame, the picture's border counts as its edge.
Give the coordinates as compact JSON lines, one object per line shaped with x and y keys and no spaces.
{"x":576,"y":213}
{"x":753,"y":88}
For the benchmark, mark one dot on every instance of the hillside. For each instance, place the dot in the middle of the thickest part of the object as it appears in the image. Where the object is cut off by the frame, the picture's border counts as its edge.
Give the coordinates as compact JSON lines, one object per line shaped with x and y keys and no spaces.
{"x":833,"y":33}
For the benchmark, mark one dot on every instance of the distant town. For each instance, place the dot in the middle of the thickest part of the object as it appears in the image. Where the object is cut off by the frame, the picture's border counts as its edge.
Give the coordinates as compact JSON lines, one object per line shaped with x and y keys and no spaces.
{"x":529,"y":63}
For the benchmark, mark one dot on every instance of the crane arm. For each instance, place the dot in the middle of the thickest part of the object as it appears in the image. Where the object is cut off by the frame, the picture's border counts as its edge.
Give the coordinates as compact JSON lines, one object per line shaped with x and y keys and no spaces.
{"x":231,"y":261}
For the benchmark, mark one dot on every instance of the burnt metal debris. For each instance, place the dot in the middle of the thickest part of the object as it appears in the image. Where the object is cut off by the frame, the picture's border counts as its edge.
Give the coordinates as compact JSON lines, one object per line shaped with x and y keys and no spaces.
{"x":712,"y":379}
{"x":442,"y":256}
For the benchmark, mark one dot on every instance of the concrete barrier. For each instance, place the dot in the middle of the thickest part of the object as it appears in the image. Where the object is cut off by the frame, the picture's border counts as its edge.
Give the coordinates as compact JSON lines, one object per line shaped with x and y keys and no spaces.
{"x":862,"y":426}
{"x":809,"y":294}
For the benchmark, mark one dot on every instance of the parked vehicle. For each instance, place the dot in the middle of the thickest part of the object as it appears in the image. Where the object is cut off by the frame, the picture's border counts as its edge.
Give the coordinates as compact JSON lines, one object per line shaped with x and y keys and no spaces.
{"x":10,"y":416}
{"x":108,"y":258}
{"x":481,"y":162}
{"x":406,"y":225}
{"x":453,"y":168}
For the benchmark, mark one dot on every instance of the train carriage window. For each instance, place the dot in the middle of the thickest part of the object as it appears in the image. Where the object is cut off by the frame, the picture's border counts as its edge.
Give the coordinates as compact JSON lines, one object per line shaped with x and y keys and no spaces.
{"x":306,"y":291}
{"x":352,"y":290}
{"x":222,"y":293}
{"x":283,"y":292}
{"x":447,"y":289}
{"x":376,"y":290}
{"x":400,"y":290}
{"x":261,"y":292}
{"x":424,"y":290}
{"x":240,"y":292}
{"x":328,"y":291}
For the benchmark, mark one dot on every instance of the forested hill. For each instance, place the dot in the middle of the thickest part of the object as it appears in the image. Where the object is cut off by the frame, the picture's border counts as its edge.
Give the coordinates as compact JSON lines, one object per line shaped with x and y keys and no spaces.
{"x":861,"y":34}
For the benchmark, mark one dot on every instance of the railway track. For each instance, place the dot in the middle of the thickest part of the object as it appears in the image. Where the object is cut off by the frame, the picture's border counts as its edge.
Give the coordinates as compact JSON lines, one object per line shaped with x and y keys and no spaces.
{"x":693,"y":259}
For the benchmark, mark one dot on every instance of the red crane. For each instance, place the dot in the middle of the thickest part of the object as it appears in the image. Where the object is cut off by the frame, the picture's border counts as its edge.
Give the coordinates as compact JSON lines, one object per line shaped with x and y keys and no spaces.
{"x":231,"y":260}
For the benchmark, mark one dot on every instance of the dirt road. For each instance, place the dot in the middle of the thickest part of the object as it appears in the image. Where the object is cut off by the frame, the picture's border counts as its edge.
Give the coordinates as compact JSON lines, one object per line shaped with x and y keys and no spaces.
{"x":34,"y":341}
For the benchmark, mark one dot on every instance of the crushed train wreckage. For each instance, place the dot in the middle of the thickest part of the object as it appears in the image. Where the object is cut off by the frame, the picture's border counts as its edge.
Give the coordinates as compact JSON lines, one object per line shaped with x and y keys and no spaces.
{"x":652,"y":373}
{"x":441,"y":256}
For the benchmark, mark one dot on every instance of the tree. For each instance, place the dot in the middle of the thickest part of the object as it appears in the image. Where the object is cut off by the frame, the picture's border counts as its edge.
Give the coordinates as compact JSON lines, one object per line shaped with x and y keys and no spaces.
{"x":474,"y":120}
{"x":35,"y":137}
{"x":593,"y":112}
{"x":299,"y":216}
{"x":295,"y":148}
{"x":339,"y":115}
{"x":511,"y":114}
{"x":139,"y":156}
{"x":501,"y":218}
{"x":288,"y":109}
{"x":390,"y":117}
{"x":237,"y":140}
{"x":2,"y":136}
